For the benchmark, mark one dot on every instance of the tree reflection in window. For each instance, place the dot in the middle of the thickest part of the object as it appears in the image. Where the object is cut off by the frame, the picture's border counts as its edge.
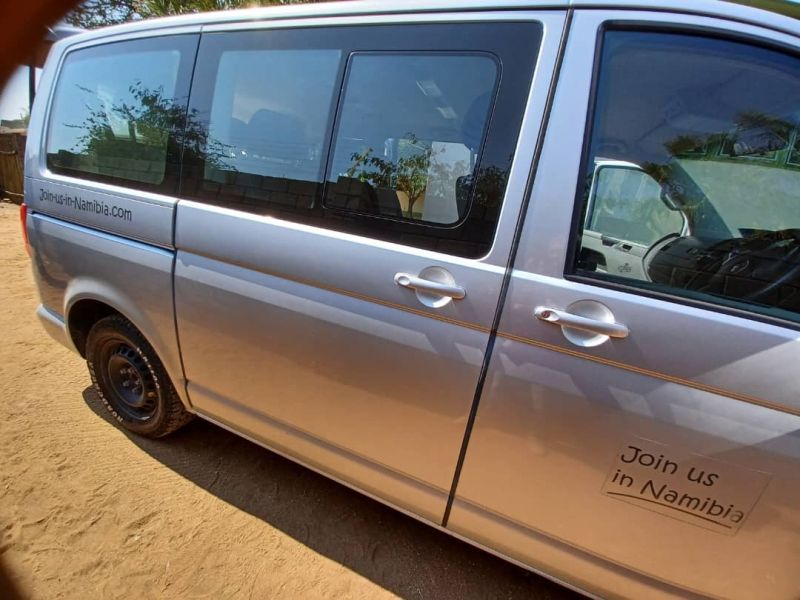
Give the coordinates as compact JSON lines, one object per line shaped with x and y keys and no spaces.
{"x":408,"y":174}
{"x":132,"y":137}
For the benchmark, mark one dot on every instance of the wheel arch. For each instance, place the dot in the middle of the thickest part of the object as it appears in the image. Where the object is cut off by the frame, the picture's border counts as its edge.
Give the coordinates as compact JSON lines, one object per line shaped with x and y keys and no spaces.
{"x":82,"y":316}
{"x":87,"y":301}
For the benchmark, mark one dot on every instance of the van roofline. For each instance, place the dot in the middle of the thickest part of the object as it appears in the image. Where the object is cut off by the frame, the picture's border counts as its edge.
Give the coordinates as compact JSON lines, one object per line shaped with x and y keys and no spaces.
{"x":785,"y":21}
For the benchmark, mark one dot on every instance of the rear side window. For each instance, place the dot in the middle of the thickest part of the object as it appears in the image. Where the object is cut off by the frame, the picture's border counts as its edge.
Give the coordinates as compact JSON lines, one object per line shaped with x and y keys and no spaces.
{"x":267,"y":128}
{"x":119,"y":110}
{"x":692,"y":179}
{"x":409,"y":134}
{"x":402,"y":133}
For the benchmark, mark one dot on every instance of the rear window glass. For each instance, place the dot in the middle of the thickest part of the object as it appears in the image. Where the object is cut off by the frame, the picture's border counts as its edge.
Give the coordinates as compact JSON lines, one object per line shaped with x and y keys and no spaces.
{"x":267,"y":133}
{"x":410,"y":132}
{"x":116,"y":110}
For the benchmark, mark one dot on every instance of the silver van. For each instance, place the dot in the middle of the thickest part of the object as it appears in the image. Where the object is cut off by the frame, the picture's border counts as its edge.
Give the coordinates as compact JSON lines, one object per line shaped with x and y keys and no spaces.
{"x":526,"y":270}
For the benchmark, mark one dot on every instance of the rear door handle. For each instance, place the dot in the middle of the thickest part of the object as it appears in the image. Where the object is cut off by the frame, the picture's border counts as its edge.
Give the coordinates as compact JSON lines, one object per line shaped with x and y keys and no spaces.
{"x":432,"y":287}
{"x":565,"y":319}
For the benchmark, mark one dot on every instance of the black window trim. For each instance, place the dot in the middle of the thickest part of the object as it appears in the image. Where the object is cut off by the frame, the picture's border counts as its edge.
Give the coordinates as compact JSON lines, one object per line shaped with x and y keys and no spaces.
{"x":611,"y":282}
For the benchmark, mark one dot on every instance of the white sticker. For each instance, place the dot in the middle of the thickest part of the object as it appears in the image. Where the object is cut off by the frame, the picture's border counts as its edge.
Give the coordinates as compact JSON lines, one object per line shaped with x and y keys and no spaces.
{"x":695,"y":489}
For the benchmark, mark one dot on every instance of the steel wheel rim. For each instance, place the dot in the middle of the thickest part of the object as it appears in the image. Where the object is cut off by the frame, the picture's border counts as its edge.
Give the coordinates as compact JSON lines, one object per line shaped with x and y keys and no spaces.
{"x":130,"y":381}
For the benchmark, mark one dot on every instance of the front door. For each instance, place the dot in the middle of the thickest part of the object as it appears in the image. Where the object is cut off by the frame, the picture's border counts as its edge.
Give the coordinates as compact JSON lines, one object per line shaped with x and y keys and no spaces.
{"x":638,"y":432}
{"x":344,"y":236}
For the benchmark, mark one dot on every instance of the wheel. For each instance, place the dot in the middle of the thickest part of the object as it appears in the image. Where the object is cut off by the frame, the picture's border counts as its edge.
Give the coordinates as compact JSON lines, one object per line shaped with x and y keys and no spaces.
{"x":131,"y":381}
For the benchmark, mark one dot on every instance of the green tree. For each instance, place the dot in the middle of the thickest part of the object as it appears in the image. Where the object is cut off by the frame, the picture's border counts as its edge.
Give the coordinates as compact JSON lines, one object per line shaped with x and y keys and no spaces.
{"x":98,"y":13}
{"x":154,"y":123}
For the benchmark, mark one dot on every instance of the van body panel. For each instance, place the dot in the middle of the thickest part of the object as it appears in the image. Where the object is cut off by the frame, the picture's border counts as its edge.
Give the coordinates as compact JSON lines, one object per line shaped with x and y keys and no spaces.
{"x":472,"y":411}
{"x":762,"y":347}
{"x":359,"y":375}
{"x":545,"y":432}
{"x":54,"y":326}
{"x":107,"y":242}
{"x":705,"y":390}
{"x":202,"y":228}
{"x":412,"y":494}
{"x":320,"y":353}
{"x":73,"y":263}
{"x":587,"y":572}
{"x":122,"y":212}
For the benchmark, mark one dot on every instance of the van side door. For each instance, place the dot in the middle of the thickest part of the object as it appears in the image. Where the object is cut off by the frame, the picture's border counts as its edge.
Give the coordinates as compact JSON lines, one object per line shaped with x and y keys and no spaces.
{"x":344,"y":231}
{"x":638,"y":432}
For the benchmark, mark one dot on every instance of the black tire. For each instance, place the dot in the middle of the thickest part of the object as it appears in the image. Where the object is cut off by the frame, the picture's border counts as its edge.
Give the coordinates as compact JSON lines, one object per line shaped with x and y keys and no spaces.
{"x":131,"y":381}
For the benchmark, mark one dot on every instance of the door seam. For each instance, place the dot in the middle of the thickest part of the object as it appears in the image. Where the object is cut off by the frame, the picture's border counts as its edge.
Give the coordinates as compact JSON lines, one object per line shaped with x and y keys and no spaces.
{"x":504,"y":286}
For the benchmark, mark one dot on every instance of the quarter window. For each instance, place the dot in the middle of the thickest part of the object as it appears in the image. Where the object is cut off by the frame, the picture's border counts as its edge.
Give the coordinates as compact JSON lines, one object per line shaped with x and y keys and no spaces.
{"x":410,"y":132}
{"x":692,"y":178}
{"x":118,"y":111}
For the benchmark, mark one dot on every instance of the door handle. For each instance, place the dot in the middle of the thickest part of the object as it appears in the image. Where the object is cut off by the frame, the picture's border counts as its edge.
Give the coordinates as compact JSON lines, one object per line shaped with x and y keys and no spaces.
{"x":432,"y":287}
{"x":573,"y":321}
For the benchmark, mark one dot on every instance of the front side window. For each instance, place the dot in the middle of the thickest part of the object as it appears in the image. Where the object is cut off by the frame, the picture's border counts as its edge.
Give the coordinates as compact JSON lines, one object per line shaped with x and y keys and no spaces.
{"x":118,"y":111}
{"x":625,"y":206}
{"x":692,"y":179}
{"x":409,"y":135}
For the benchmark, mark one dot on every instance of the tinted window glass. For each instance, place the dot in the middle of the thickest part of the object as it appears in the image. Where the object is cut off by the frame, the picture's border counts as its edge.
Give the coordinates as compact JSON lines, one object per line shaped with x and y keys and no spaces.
{"x":267,"y":129}
{"x":118,"y":110}
{"x":625,"y":205}
{"x":409,"y":134}
{"x":693,"y":185}
{"x":449,"y":142}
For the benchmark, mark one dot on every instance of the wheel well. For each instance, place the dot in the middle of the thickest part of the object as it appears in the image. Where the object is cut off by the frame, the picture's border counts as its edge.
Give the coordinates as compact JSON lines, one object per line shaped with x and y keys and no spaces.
{"x":82,"y":316}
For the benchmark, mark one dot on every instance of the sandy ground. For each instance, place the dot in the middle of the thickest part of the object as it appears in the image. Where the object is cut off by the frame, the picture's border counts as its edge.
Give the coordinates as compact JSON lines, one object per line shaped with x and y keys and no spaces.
{"x":87,"y":511}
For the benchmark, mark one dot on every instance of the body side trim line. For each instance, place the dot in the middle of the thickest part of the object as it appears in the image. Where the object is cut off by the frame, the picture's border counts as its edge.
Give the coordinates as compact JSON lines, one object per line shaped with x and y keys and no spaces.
{"x":351,"y":294}
{"x":322,"y":443}
{"x":650,"y":373}
{"x":51,"y":315}
{"x":112,"y":237}
{"x":406,"y":512}
{"x":120,"y":191}
{"x":527,"y":529}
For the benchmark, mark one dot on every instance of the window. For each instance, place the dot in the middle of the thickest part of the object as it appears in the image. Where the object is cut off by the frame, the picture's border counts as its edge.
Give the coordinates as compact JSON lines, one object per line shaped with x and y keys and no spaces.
{"x":118,"y":111}
{"x":410,"y":132}
{"x":692,"y":182}
{"x":404,"y":133}
{"x":267,"y":130}
{"x":625,"y":205}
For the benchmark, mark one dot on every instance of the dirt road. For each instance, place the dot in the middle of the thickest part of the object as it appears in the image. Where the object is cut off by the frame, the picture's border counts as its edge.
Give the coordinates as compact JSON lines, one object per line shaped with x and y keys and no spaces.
{"x":89,"y":512}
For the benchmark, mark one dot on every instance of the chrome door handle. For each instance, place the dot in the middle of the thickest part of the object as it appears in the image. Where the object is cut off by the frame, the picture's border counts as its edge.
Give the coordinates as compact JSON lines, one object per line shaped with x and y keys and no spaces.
{"x":565,"y":319}
{"x":432,"y":287}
